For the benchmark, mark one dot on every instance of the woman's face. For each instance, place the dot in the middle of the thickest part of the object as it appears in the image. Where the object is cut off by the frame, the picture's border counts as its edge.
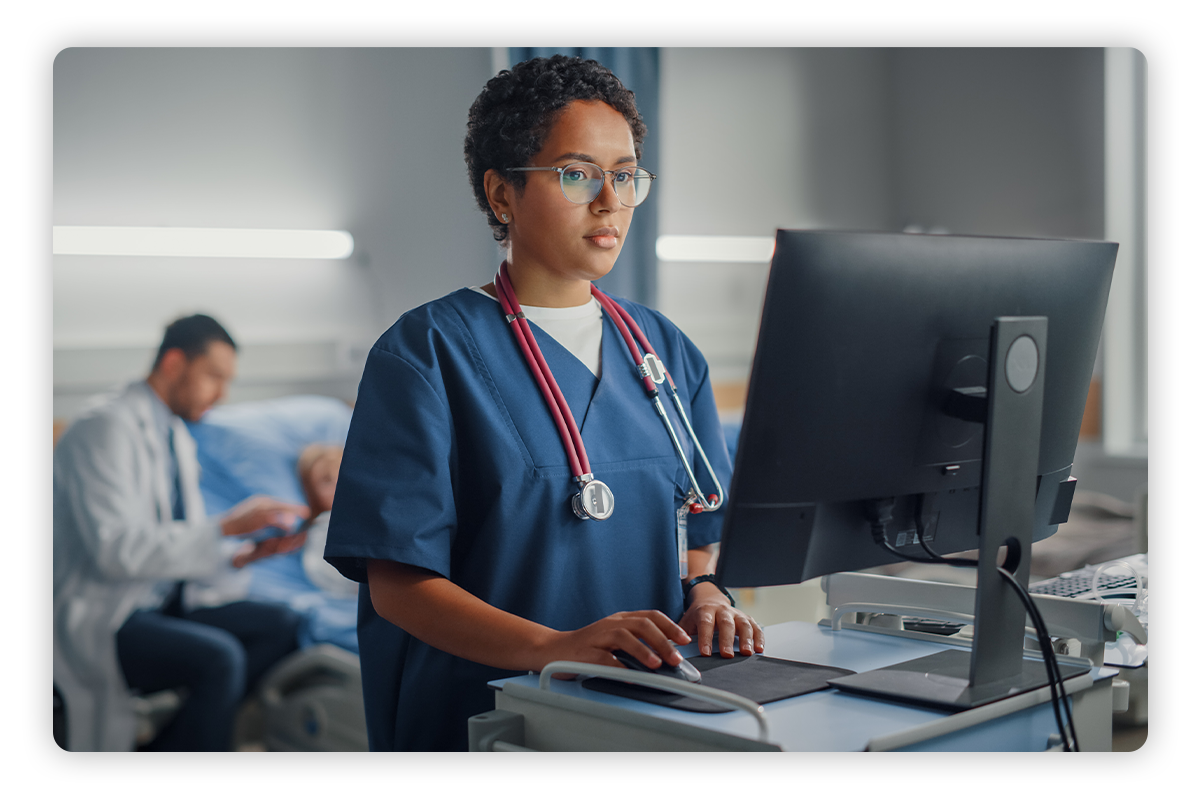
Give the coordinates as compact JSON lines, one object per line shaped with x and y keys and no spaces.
{"x":551,"y":238}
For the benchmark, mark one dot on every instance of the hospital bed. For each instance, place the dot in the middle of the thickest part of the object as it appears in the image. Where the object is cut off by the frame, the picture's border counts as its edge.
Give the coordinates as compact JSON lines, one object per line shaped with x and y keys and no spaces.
{"x":312,"y":700}
{"x":251,"y":448}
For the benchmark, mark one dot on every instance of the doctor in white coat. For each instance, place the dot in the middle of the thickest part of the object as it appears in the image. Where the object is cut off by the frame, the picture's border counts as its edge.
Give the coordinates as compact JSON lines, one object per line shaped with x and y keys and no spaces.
{"x":129,"y":528}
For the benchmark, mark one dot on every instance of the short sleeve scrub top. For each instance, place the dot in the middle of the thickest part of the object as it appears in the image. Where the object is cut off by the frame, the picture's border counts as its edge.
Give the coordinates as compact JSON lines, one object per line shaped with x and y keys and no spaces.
{"x":453,"y":464}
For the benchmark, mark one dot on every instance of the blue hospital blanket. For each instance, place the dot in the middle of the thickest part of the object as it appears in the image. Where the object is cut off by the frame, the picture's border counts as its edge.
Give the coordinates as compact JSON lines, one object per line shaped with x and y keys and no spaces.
{"x":251,"y":448}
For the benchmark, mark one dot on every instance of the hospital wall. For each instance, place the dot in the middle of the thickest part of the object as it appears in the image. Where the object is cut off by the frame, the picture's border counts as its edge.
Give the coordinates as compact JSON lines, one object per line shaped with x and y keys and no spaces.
{"x":1000,"y":142}
{"x":977,"y":141}
{"x":364,"y":140}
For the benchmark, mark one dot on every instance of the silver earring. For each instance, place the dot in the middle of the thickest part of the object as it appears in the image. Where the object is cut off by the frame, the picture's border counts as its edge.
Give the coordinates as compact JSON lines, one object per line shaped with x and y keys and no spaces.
{"x":504,"y":218}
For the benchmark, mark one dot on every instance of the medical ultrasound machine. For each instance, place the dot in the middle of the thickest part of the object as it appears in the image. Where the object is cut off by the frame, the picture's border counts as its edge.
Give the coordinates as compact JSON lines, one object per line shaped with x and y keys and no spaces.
{"x":912,"y":397}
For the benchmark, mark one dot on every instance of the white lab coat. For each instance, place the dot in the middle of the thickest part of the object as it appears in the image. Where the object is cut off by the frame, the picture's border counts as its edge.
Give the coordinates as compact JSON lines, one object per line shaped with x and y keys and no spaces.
{"x":114,"y":540}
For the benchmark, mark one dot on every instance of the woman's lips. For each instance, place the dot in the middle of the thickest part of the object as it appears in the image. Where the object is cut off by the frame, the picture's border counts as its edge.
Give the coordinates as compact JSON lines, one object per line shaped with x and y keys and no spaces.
{"x":605,"y":238}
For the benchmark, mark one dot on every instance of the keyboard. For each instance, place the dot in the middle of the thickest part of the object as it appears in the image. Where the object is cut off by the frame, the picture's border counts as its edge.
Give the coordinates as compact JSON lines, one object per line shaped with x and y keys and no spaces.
{"x":1114,"y":584}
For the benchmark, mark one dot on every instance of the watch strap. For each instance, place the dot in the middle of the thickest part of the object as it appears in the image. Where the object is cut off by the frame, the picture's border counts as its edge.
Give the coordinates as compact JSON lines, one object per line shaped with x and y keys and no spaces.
{"x":688,"y":585}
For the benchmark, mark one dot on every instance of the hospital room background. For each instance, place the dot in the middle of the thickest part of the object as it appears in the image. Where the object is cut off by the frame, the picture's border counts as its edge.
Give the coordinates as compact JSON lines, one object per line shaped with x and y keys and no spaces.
{"x":1041,"y":142}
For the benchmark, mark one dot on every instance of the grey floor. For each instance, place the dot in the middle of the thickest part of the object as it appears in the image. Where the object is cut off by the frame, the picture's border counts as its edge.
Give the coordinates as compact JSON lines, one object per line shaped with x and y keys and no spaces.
{"x":1126,"y":740}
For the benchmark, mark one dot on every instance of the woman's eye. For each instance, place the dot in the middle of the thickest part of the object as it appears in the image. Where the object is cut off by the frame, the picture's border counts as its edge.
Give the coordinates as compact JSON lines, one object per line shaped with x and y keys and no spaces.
{"x":624,"y":176}
{"x":575,"y":175}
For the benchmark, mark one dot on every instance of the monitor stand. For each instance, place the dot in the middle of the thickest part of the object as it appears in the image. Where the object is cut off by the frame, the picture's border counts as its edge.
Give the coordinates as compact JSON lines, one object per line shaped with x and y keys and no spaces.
{"x":996,"y":666}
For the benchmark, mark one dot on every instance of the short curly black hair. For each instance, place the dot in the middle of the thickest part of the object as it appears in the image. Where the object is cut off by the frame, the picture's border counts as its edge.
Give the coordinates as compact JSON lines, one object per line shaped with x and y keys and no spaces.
{"x":509,"y":121}
{"x":192,"y":335}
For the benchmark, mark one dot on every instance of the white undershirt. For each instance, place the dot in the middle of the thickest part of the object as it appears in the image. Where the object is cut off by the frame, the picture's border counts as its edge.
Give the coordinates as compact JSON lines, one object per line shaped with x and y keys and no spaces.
{"x":578,"y":328}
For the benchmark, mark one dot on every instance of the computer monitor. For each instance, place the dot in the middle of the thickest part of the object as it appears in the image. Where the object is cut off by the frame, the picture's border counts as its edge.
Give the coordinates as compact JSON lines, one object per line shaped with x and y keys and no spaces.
{"x":870,"y":389}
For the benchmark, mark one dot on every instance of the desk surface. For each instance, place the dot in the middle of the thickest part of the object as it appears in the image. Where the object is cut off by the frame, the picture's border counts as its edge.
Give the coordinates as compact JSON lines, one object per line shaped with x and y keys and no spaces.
{"x":828,"y":720}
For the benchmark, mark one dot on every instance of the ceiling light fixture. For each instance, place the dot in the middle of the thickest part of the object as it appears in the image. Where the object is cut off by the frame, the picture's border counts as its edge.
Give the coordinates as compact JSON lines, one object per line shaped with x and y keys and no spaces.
{"x":741,"y":249}
{"x":85,"y":240}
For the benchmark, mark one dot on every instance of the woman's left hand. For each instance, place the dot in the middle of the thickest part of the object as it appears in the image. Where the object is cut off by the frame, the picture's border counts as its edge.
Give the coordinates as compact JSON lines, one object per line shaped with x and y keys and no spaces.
{"x":710,"y":612}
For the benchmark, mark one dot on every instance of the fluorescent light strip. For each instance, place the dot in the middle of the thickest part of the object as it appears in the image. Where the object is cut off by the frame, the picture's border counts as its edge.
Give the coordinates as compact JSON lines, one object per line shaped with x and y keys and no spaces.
{"x":201,"y":242}
{"x":742,"y":249}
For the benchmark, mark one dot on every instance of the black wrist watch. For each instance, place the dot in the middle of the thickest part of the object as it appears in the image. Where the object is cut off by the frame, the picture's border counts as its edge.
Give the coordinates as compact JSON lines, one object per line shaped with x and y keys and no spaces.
{"x":689,"y":585}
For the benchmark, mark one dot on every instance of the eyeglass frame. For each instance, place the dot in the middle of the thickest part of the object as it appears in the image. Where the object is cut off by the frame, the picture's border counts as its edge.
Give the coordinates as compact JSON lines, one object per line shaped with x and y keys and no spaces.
{"x":605,"y":172}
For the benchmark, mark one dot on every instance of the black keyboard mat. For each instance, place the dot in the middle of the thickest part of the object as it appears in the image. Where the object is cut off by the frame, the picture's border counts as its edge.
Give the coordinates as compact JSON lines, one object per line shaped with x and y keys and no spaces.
{"x":759,"y":678}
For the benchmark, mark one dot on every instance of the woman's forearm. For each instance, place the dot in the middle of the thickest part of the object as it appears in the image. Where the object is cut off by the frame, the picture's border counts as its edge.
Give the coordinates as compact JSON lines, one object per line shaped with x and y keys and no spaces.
{"x":701,"y":560}
{"x":446,"y":616}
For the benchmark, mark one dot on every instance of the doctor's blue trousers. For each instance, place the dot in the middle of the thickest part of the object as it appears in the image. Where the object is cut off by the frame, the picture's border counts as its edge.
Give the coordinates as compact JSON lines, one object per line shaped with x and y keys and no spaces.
{"x":216,"y":654}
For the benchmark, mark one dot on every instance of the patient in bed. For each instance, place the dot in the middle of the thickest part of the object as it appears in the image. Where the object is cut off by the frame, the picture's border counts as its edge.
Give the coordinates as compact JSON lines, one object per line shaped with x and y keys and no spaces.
{"x":254,"y":447}
{"x":317,"y":468}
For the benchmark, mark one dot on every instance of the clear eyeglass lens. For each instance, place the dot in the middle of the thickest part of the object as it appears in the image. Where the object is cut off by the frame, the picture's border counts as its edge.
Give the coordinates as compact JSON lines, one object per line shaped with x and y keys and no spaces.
{"x":582,"y":182}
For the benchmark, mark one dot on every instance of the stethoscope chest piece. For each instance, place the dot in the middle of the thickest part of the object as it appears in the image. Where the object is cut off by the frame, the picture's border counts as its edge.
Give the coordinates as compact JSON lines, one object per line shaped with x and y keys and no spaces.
{"x":594,"y":500}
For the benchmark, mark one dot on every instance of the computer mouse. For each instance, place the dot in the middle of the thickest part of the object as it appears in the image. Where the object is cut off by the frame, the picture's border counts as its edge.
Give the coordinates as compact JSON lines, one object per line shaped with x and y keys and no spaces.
{"x":684,"y":671}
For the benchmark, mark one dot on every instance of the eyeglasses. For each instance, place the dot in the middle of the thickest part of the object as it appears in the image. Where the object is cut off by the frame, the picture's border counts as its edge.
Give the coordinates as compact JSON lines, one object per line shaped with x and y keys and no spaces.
{"x":581,"y":182}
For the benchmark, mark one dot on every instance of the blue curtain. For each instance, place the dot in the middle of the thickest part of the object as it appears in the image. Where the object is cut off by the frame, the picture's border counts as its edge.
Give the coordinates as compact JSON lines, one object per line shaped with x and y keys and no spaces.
{"x":636,"y":273}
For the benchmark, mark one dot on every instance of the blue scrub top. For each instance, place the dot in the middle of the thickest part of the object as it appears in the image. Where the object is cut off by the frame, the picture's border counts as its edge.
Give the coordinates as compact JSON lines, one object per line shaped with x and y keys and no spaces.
{"x":453,"y":464}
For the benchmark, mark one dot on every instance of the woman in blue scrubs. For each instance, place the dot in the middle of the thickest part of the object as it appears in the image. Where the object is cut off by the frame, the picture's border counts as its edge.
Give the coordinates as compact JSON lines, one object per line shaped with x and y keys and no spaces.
{"x":453,"y":501}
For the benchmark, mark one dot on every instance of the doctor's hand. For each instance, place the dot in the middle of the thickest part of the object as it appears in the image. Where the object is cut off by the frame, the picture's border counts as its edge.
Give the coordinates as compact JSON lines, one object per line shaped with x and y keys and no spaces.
{"x":258,"y":512}
{"x":648,"y":636}
{"x":710,"y":612}
{"x":276,"y":545}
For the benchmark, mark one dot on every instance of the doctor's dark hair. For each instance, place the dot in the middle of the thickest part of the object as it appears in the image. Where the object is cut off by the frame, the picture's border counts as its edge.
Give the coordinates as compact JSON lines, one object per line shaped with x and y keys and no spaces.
{"x":192,"y":335}
{"x":509,"y":122}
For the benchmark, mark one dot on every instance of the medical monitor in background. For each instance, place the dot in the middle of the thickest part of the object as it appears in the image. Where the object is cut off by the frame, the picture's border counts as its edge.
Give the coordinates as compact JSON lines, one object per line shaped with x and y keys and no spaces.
{"x":915,"y":396}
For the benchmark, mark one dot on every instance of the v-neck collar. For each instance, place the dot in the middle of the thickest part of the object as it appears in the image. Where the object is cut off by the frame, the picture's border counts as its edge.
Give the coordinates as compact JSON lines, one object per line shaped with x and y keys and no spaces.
{"x":581,"y":388}
{"x":577,"y":383}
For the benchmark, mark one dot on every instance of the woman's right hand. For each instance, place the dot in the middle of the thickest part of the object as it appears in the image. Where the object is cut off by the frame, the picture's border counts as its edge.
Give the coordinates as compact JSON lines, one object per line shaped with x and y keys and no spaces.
{"x":444,"y":615}
{"x":648,"y":636}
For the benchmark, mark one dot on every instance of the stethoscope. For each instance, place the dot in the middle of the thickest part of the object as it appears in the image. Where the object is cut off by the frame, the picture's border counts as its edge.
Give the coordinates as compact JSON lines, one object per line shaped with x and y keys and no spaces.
{"x":594,"y":499}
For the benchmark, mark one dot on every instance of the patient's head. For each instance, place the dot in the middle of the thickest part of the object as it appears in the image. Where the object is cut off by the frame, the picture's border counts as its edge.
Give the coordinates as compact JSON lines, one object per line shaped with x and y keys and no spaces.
{"x":318,"y":467}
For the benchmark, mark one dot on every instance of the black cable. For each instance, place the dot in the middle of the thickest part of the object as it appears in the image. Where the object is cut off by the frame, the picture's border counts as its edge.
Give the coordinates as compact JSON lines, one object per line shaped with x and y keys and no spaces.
{"x":880,"y":514}
{"x":918,"y":509}
{"x":1048,"y":656}
{"x":954,"y":562}
{"x":1057,"y":689}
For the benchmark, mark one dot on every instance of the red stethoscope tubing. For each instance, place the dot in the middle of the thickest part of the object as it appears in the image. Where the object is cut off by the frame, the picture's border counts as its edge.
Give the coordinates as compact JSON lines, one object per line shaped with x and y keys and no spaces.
{"x":624,"y":322}
{"x":559,"y":410}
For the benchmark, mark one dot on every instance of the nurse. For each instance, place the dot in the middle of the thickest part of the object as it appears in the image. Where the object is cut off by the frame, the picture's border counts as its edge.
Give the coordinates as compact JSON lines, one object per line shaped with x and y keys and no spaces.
{"x":453,"y":504}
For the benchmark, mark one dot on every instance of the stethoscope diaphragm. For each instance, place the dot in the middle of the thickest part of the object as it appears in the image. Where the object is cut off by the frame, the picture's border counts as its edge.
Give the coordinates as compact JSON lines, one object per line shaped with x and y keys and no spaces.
{"x":594,"y":500}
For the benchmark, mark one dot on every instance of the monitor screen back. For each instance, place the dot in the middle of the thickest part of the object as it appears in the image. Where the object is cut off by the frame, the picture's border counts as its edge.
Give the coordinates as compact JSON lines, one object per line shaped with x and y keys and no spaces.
{"x":862,"y":336}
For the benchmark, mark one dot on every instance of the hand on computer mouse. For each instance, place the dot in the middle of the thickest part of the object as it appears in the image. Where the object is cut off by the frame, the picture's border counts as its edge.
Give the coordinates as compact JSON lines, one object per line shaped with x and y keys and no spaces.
{"x":650,"y":634}
{"x":684,"y":670}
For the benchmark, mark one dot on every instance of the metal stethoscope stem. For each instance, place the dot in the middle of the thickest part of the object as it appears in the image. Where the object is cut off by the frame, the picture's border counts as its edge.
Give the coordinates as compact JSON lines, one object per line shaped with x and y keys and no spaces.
{"x":595,"y":500}
{"x":654,"y":373}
